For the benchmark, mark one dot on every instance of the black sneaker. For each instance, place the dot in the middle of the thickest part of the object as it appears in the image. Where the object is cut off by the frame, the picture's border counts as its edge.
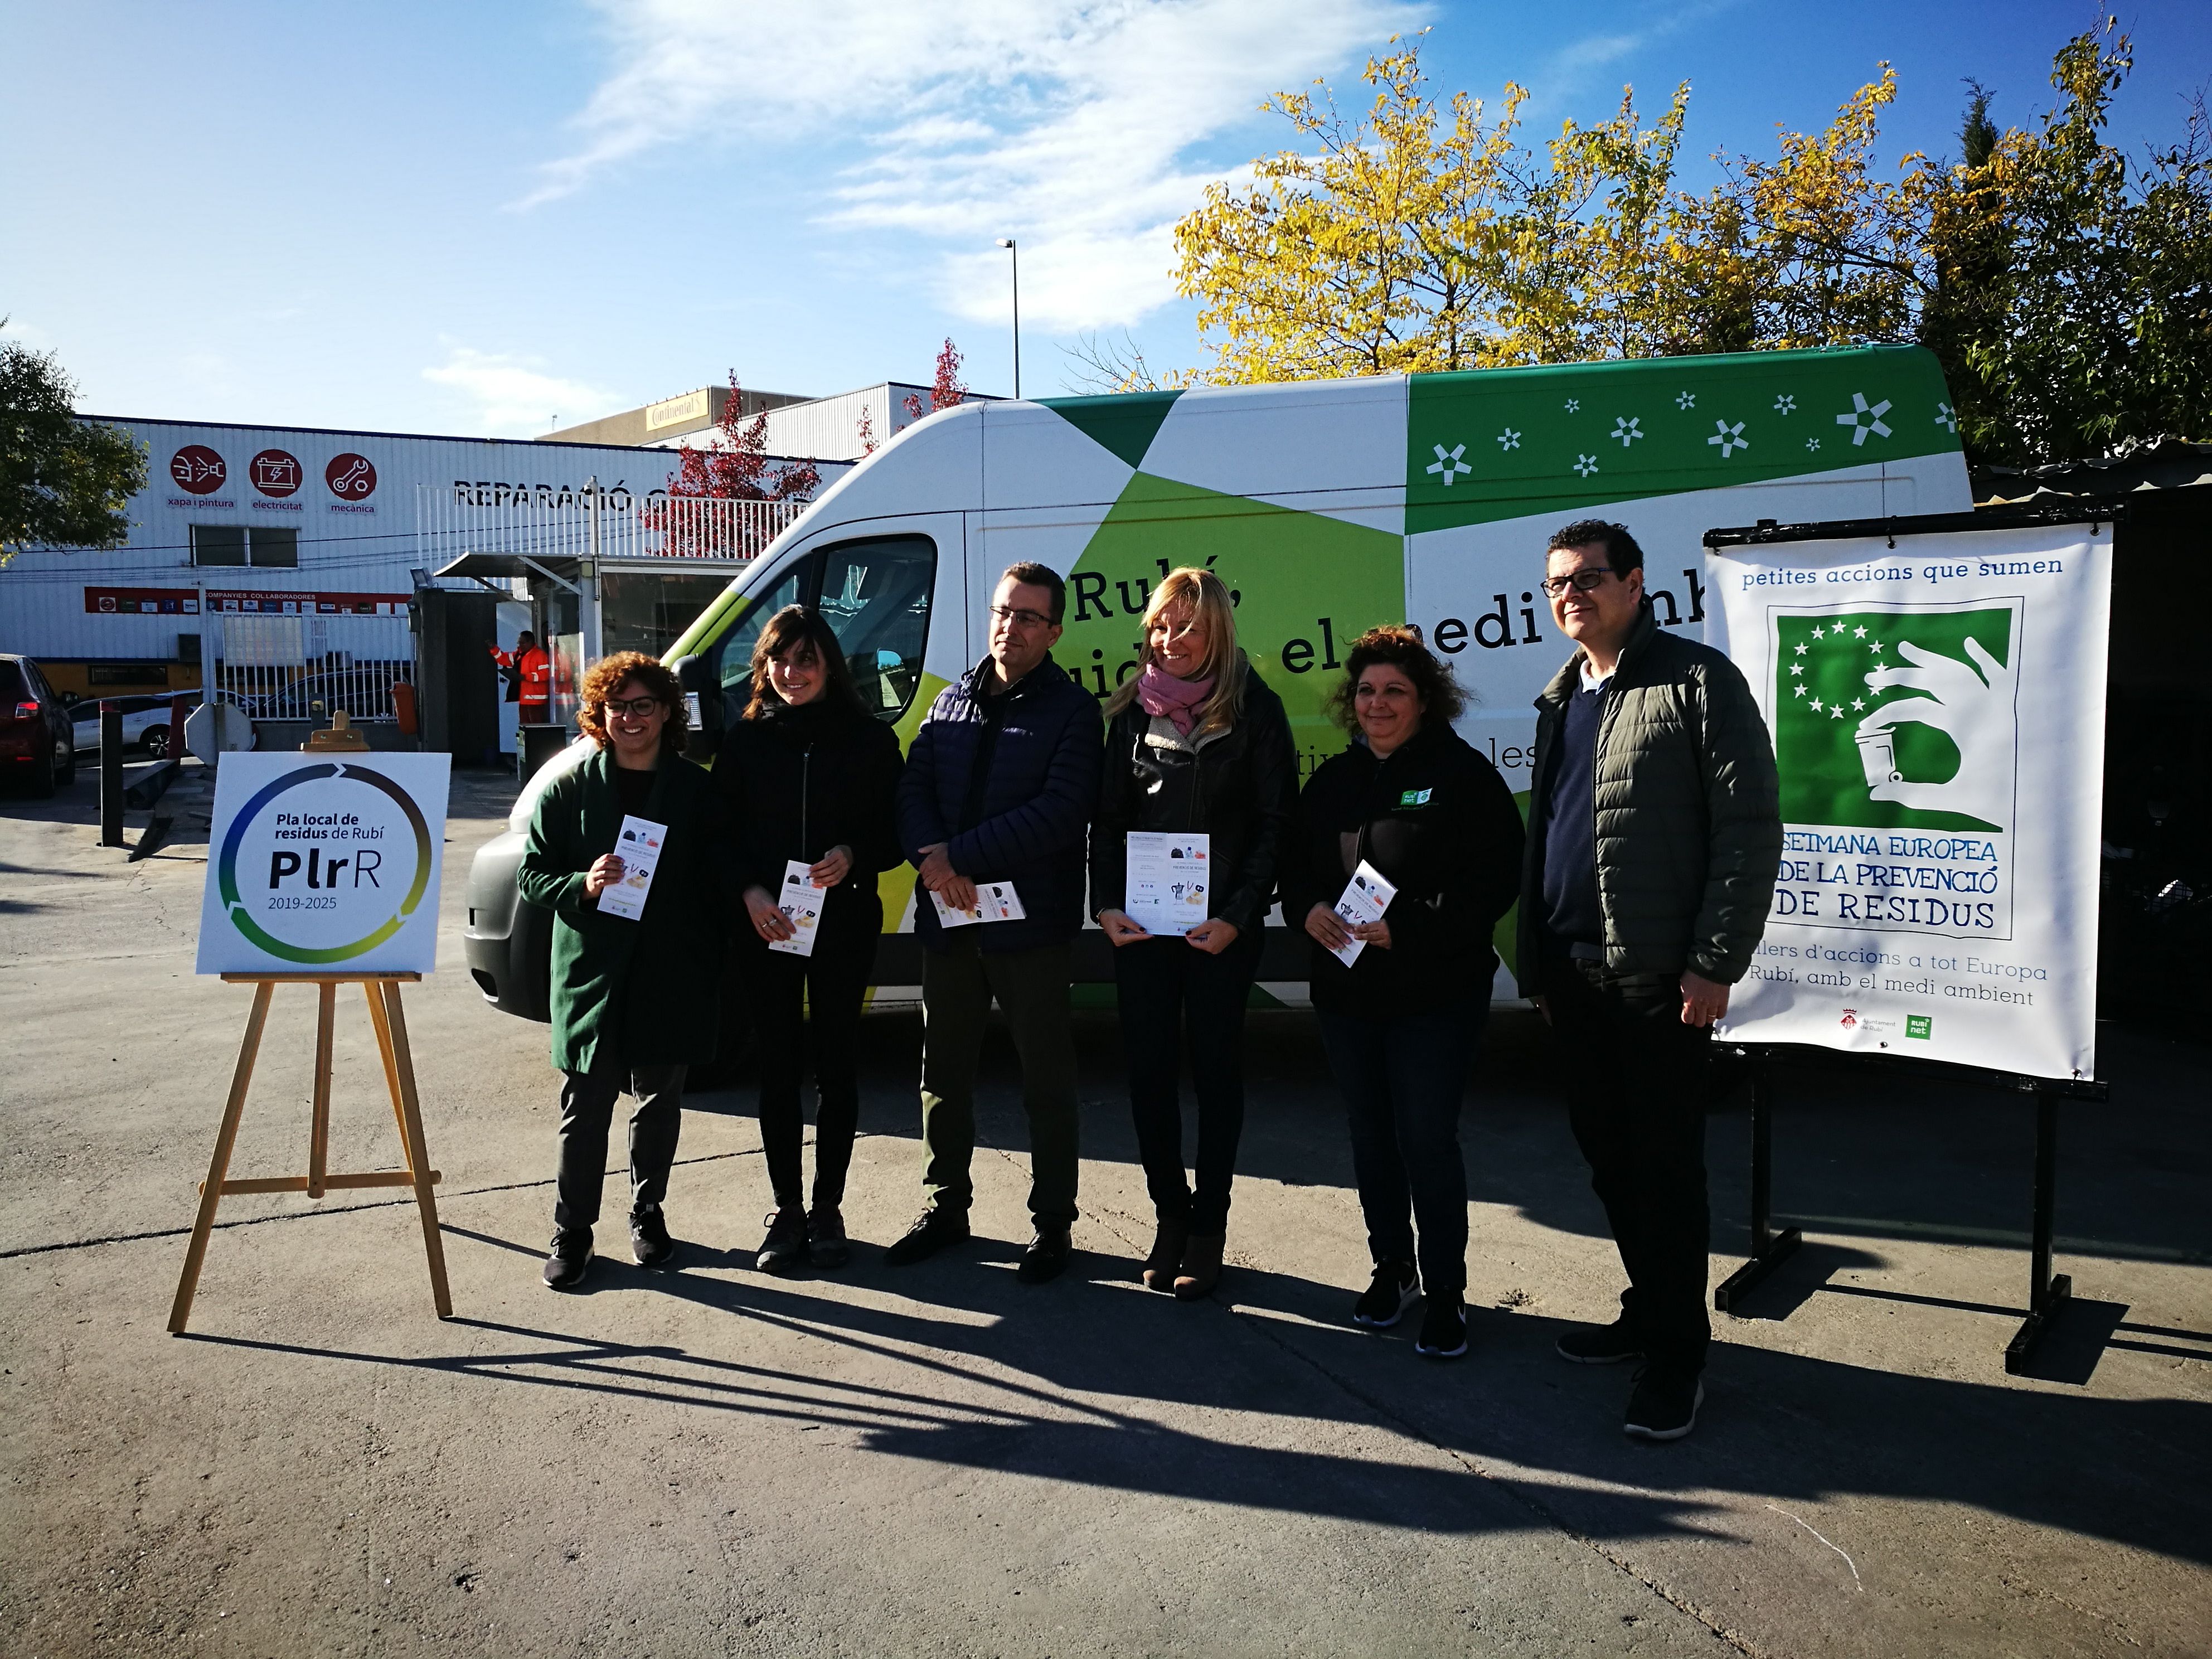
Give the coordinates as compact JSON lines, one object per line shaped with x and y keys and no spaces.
{"x":1047,"y":1255}
{"x":1395,"y":1287}
{"x":1443,"y":1330}
{"x":932,"y":1231}
{"x":826,"y":1243}
{"x":1663,"y":1406}
{"x":1599,"y":1345}
{"x":570,"y":1259}
{"x":650,"y":1245}
{"x":784,"y":1247}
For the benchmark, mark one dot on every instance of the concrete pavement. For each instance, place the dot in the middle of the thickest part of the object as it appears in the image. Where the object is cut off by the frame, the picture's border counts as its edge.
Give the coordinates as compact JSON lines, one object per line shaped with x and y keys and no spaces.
{"x":939,"y":1459}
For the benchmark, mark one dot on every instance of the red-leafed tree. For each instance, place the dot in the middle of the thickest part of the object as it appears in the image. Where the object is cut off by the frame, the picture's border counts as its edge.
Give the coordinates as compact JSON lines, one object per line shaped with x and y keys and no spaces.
{"x":947,"y":390}
{"x":737,"y":468}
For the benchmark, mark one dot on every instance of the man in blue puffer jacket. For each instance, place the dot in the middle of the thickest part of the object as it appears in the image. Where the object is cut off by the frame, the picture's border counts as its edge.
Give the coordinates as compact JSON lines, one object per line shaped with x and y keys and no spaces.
{"x":998,"y":787}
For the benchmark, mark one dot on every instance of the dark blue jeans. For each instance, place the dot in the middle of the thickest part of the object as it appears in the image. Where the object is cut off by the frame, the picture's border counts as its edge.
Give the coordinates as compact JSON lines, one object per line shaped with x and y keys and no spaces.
{"x":1172,"y":994}
{"x":1402,"y":1080}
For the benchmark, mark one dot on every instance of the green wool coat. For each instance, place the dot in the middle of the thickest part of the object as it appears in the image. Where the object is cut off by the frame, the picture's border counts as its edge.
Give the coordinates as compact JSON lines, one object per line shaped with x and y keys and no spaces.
{"x":631,"y":993}
{"x":1689,"y":824}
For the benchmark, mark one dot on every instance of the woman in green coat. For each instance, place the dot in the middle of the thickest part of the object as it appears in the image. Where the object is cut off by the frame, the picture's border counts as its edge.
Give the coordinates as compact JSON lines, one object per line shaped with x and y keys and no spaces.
{"x":634,"y":995}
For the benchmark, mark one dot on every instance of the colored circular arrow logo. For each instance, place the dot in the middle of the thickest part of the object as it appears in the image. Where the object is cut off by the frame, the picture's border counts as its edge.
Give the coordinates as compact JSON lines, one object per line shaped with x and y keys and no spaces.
{"x":227,"y":866}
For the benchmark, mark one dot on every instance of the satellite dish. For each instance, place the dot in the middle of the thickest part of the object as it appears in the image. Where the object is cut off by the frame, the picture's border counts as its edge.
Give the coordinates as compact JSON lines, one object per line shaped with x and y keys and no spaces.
{"x":218,"y":728}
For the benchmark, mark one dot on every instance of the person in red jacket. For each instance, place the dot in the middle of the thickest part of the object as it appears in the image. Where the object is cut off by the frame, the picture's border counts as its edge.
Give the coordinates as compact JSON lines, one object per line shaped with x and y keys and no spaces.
{"x":532,"y":669}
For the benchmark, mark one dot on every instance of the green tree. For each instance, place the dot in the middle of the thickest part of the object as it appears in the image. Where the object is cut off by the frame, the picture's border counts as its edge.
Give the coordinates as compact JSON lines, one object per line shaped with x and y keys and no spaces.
{"x":2072,"y":284}
{"x":64,"y":483}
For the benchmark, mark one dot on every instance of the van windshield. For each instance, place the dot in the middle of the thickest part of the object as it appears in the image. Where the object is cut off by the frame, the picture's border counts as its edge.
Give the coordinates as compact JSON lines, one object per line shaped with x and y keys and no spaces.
{"x":875,"y":596}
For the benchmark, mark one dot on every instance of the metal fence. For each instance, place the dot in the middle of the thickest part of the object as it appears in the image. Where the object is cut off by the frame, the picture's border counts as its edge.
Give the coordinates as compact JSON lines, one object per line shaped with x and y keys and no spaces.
{"x":606,"y":524}
{"x":308,"y":668}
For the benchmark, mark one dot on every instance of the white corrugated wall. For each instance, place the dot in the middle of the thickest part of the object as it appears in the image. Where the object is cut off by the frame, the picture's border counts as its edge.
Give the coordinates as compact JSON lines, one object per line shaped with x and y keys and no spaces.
{"x":355,"y":536}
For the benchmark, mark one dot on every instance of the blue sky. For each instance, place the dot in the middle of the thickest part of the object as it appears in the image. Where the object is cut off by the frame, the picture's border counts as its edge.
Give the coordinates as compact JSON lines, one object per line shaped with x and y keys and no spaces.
{"x":472,"y":219}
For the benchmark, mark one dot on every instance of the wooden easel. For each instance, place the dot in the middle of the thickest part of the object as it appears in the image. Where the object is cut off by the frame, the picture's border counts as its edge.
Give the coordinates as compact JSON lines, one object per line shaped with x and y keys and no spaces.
{"x":382,"y":991}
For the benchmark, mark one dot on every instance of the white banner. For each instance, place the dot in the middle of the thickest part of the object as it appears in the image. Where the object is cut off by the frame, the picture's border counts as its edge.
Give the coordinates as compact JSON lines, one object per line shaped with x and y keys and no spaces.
{"x":325,"y":863}
{"x":1937,"y":706}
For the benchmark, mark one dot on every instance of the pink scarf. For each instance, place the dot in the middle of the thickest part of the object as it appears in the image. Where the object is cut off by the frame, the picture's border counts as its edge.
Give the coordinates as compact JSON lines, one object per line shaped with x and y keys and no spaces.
{"x":1162,"y":693}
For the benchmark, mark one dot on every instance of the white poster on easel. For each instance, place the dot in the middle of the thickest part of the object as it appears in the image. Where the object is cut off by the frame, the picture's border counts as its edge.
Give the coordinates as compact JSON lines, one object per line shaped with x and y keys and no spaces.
{"x":325,"y":862}
{"x":1937,"y":707}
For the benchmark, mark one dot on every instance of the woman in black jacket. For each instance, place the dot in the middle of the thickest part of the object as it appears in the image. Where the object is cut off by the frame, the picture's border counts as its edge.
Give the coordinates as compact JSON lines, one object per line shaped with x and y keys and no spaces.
{"x":1410,"y":798}
{"x":1196,"y":744}
{"x":808,"y":776}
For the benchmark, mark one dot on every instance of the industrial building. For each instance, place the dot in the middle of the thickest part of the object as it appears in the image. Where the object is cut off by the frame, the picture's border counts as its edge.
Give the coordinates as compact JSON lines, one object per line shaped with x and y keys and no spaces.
{"x":298,"y":550}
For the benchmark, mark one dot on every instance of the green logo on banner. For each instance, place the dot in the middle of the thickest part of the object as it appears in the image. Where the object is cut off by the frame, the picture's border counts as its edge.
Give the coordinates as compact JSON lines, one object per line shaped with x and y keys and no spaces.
{"x":1898,"y":720}
{"x":1918,"y":1025}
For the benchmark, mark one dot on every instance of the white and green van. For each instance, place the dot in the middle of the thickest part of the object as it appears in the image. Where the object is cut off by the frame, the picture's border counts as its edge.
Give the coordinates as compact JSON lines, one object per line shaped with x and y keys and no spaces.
{"x":1327,"y":507}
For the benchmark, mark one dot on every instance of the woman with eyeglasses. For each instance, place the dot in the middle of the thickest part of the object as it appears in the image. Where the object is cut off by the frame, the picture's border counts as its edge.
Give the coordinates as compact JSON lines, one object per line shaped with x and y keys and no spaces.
{"x":1196,"y":744}
{"x":1411,"y":799}
{"x":634,"y":986}
{"x":807,"y":776}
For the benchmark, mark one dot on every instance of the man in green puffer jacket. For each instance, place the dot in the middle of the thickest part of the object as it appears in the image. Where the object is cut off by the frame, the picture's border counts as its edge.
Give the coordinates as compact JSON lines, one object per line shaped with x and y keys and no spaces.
{"x":1655,"y":832}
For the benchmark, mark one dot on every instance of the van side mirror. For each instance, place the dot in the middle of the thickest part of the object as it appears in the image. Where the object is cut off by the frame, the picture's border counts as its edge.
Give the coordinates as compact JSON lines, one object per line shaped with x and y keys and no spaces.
{"x":704,"y":701}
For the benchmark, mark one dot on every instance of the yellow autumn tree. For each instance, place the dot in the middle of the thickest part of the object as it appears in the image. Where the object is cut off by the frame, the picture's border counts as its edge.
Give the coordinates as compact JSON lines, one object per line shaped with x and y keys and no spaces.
{"x":2060,"y":283}
{"x":1381,"y":250}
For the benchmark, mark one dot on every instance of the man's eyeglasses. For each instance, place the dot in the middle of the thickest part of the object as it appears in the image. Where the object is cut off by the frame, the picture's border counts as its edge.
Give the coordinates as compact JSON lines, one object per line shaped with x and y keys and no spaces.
{"x":1583,"y":581}
{"x":1006,"y":613}
{"x":637,"y":707}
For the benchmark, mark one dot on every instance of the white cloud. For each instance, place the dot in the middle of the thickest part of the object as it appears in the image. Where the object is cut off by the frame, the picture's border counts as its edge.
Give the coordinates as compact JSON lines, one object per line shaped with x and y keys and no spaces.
{"x":512,"y":396}
{"x":1070,"y":125}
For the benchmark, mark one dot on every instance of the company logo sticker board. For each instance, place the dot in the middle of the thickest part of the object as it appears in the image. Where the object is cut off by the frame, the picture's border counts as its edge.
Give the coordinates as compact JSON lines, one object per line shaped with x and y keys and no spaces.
{"x":1937,"y":710}
{"x":325,"y":863}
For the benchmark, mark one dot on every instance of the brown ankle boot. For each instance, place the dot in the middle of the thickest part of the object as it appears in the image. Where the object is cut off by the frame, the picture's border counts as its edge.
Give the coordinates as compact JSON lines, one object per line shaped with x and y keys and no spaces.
{"x":1167,"y":1255}
{"x":1201,"y":1266}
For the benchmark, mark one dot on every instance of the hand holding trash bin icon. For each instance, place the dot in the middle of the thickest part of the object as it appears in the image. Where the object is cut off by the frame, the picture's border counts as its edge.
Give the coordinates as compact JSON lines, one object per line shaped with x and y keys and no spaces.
{"x":1973,"y":709}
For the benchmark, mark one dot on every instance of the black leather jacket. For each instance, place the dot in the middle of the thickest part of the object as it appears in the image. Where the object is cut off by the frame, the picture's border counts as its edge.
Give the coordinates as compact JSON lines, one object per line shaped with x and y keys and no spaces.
{"x":1239,"y":789}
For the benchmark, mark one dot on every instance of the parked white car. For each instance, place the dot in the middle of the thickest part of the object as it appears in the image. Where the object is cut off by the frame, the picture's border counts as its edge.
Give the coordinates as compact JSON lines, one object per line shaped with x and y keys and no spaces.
{"x":145,"y":723}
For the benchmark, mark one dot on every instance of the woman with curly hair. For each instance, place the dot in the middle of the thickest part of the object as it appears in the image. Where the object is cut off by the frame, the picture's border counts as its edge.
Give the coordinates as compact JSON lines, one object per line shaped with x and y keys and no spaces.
{"x":808,"y":776}
{"x":1400,"y":1024}
{"x":634,"y":1000}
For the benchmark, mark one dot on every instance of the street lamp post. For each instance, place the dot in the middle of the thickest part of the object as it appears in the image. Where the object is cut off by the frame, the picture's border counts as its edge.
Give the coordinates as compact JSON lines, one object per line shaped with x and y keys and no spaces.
{"x":1008,"y":243}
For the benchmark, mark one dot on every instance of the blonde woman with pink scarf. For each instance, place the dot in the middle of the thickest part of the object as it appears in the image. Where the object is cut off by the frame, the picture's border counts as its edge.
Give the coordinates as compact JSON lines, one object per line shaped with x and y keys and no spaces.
{"x":1196,"y":743}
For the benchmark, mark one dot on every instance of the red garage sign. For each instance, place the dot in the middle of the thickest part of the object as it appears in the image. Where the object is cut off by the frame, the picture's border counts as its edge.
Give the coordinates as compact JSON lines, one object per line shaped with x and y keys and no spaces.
{"x":198,"y":470}
{"x":350,"y":476}
{"x":275,"y":472}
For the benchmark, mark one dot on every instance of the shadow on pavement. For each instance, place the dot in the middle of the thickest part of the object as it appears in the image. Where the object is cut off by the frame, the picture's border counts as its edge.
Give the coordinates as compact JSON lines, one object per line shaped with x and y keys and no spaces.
{"x":1060,"y":1383}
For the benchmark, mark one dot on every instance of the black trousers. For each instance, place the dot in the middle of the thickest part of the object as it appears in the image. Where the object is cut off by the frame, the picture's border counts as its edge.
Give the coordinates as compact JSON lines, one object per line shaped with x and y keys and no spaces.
{"x":804,"y":1004}
{"x":1174,"y":996}
{"x":1637,"y":1079}
{"x":1403,"y":1080}
{"x":588,"y":1109}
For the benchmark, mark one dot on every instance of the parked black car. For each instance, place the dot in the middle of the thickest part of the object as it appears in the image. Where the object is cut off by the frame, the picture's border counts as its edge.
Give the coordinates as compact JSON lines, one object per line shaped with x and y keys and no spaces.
{"x":364,"y":691}
{"x":37,"y":742}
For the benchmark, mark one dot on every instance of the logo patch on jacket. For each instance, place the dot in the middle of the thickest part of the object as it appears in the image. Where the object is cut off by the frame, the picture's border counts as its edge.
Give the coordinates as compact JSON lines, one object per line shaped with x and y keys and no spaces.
{"x":1415,"y":797}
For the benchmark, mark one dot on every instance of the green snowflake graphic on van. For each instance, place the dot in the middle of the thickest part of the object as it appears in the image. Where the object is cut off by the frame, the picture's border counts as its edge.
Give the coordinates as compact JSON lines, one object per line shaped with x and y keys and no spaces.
{"x":1893,"y":718}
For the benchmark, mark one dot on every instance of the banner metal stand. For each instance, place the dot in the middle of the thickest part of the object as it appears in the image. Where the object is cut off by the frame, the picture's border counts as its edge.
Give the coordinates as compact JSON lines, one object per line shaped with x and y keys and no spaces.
{"x":2047,"y":1293}
{"x":1769,"y":1249}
